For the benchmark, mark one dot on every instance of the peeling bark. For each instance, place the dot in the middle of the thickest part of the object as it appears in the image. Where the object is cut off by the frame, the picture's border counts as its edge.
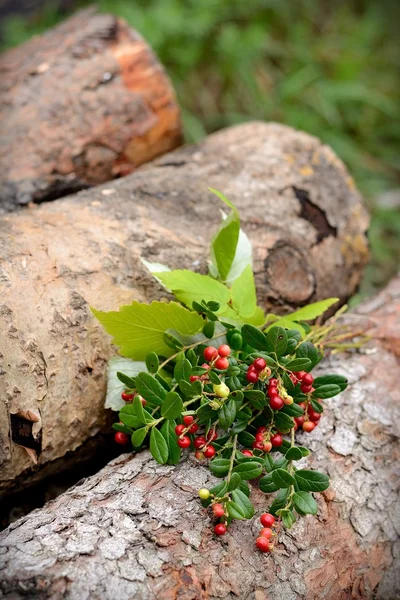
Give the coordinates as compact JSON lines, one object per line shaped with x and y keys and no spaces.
{"x":84,"y":103}
{"x":136,"y":529}
{"x":62,"y":257}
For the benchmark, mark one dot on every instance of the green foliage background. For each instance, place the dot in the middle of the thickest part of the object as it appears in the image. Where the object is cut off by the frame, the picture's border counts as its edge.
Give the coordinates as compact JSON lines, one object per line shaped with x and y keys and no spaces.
{"x":329,"y":68}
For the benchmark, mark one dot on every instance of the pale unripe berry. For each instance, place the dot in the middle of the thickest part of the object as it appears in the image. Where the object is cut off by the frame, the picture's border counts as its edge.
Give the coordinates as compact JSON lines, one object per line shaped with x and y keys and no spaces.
{"x":204,"y":493}
{"x":221,"y":390}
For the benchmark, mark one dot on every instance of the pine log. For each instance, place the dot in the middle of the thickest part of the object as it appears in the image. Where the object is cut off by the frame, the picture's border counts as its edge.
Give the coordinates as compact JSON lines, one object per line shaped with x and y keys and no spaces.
{"x":84,"y":103}
{"x":298,"y":205}
{"x":137,"y":530}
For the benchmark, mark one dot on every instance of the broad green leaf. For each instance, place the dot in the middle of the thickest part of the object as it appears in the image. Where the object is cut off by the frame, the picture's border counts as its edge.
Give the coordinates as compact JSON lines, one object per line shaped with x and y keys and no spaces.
{"x":312,"y":311}
{"x":327,"y":391}
{"x":311,"y":481}
{"x":138,"y":437}
{"x":172,"y":406}
{"x":248,"y":470}
{"x":267,"y":485}
{"x":139,"y":328}
{"x":277,"y":340}
{"x":331,"y":378}
{"x":128,"y":416}
{"x":151,"y":390}
{"x":243,"y":501}
{"x":219,"y":467}
{"x":115,"y":387}
{"x":224,"y":244}
{"x":234,"y":482}
{"x":168,"y":433}
{"x":226,"y":200}
{"x":299,"y":364}
{"x":254,"y":337}
{"x":282,"y":478}
{"x":227,"y":414}
{"x":243,"y":294}
{"x":158,"y":446}
{"x":308,"y":350}
{"x":305,"y":503}
{"x":188,"y":286}
{"x":257,"y":318}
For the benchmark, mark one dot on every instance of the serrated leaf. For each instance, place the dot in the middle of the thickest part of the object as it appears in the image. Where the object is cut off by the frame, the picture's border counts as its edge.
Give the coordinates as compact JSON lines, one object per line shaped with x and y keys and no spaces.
{"x":139,"y":328}
{"x":169,"y":435}
{"x":277,"y":340}
{"x":172,"y":406}
{"x":311,"y":481}
{"x":282,"y":478}
{"x":312,"y":311}
{"x":158,"y":446}
{"x":243,"y":293}
{"x":254,"y":337}
{"x":151,"y":390}
{"x":248,"y":470}
{"x":189,"y":286}
{"x":138,"y":437}
{"x":115,"y":387}
{"x":305,"y":503}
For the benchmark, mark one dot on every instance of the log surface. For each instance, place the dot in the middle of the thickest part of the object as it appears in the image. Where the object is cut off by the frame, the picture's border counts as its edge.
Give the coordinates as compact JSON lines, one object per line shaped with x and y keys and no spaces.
{"x":298,"y":205}
{"x":136,"y":529}
{"x":82,"y":104}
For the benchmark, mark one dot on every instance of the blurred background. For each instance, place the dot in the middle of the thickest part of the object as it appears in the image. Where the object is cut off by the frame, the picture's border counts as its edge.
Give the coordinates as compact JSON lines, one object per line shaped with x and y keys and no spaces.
{"x":328,"y":67}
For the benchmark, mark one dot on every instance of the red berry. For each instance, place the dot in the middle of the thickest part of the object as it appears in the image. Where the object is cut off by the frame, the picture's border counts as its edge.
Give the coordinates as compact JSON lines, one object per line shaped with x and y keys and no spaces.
{"x":273,"y":382}
{"x":193,"y":378}
{"x":184,"y":442}
{"x":259,"y":437}
{"x":300,"y":374}
{"x":293,"y":378}
{"x":258,"y":445}
{"x":313,"y":416}
{"x":262,"y":544}
{"x":224,"y":350}
{"x":252,"y":376}
{"x":262,"y":429}
{"x":199,"y":442}
{"x":127,"y":397}
{"x":179,"y":429}
{"x":276,"y":403}
{"x":121,"y":438}
{"x":267,"y":447}
{"x":247,"y":452}
{"x":306,"y":389}
{"x":266,"y":532}
{"x":303,"y":405}
{"x":218,"y":510}
{"x":188,"y":419}
{"x":220,"y":529}
{"x":260,"y":364}
{"x":199,"y":455}
{"x":295,"y":426}
{"x":277,"y":440}
{"x":222,"y":364}
{"x":308,"y":426}
{"x":299,"y":421}
{"x":267,"y":520}
{"x":209,"y":452}
{"x":194,"y":428}
{"x":212,"y":435}
{"x":307,"y":379}
{"x":272,"y":392}
{"x":205,"y":366}
{"x":210,"y":353}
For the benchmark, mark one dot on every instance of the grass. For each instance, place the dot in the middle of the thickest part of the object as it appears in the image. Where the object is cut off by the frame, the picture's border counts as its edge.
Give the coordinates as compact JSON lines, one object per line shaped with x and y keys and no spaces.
{"x":329,"y":68}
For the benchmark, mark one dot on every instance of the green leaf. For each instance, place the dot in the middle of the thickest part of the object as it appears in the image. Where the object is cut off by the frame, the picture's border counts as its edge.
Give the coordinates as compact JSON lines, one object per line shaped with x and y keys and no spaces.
{"x":327,"y":391}
{"x":283,"y":422}
{"x":129,"y":382}
{"x":234,"y":482}
{"x":331,"y":379}
{"x":246,"y":439}
{"x":248,"y":470}
{"x":151,"y":390}
{"x":282,"y":478}
{"x":158,"y":446}
{"x":138,"y":437}
{"x":115,"y":386}
{"x":241,"y":499}
{"x":128,"y":416}
{"x":182,"y":369}
{"x":280,"y":500}
{"x":287,"y":324}
{"x":190,"y":389}
{"x":312,"y":311}
{"x":267,"y":485}
{"x":189,"y":286}
{"x":243,"y":293}
{"x":299,"y":364}
{"x":277,"y":340}
{"x":205,"y":413}
{"x":139,"y":411}
{"x":224,"y":244}
{"x":172,"y":406}
{"x":311,"y":481}
{"x":152,"y":362}
{"x":316,"y":406}
{"x":219,"y":467}
{"x":254,"y":337}
{"x":305,"y":503}
{"x":139,"y":328}
{"x":122,"y":428}
{"x":295,"y":453}
{"x":220,"y":489}
{"x":209,"y":329}
{"x":292,"y":410}
{"x":256,"y":397}
{"x":287,"y":516}
{"x":308,"y":350}
{"x":169,"y":435}
{"x":227,"y":414}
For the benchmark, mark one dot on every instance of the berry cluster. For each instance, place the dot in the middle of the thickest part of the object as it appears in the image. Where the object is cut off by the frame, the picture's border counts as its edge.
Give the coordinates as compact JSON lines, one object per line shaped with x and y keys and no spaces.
{"x":237,"y":405}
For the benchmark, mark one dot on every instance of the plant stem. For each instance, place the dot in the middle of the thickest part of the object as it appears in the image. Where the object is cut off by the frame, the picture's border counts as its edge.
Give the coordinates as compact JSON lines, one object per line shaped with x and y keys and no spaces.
{"x":232,"y":461}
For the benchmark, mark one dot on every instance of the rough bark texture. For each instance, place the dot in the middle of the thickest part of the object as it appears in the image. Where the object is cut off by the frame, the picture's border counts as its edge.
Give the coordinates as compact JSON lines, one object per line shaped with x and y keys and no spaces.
{"x":82,"y":104}
{"x":136,"y":529}
{"x":298,"y":205}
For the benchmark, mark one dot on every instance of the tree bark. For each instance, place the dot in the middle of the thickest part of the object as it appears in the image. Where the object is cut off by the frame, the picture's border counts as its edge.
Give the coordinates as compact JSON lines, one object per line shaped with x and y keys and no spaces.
{"x":306,"y":221}
{"x":136,"y":529}
{"x":82,"y":104}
